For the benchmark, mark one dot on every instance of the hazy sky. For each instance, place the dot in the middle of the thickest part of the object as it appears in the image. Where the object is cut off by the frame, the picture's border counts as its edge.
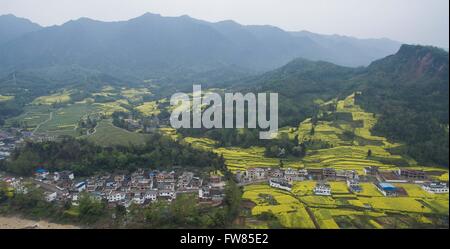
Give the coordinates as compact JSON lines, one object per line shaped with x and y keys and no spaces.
{"x":409,"y":21}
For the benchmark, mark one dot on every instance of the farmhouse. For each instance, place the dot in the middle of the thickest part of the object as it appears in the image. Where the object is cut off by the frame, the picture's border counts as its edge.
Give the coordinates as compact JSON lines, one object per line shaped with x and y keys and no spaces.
{"x":390,"y":176}
{"x":115,"y":196}
{"x":151,"y":195}
{"x":294,"y":175}
{"x":322,"y":189}
{"x":41,"y":173}
{"x":412,"y":174}
{"x":280,"y":183}
{"x":51,"y":197}
{"x":371,"y":170}
{"x":63,"y":175}
{"x":436,"y":187}
{"x":80,"y":186}
{"x":353,"y":185}
{"x":388,"y":189}
{"x":255,"y":174}
{"x":329,"y":172}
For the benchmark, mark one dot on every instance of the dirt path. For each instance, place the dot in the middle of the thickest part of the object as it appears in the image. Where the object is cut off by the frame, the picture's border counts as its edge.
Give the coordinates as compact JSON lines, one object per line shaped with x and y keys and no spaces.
{"x":21,"y":223}
{"x":44,"y":122}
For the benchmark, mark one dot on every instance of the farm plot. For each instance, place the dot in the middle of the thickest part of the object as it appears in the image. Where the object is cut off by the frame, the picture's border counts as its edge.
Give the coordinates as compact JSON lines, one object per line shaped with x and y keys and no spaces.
{"x":289,"y":211}
{"x":64,"y":121}
{"x":4,"y":98}
{"x":61,"y":97}
{"x":106,"y":134}
{"x":149,"y":108}
{"x":31,"y":117}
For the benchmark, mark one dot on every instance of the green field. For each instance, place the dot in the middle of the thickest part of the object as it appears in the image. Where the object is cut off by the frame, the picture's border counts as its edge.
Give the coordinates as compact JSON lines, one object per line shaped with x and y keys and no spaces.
{"x":31,"y":117}
{"x":106,"y":134}
{"x":64,"y":121}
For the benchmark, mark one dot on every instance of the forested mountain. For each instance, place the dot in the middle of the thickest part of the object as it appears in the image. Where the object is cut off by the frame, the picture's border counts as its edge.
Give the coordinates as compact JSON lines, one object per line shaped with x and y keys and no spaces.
{"x":410,"y":91}
{"x":152,"y":46}
{"x":12,"y":27}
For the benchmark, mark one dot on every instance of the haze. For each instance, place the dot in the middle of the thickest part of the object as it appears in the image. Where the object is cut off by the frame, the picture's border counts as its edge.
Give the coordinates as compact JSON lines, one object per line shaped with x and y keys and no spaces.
{"x":408,"y":21}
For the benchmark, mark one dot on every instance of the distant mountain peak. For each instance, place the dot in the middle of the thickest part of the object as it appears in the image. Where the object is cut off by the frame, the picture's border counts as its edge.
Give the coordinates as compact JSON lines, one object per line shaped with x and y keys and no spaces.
{"x":12,"y":27}
{"x":414,"y":62}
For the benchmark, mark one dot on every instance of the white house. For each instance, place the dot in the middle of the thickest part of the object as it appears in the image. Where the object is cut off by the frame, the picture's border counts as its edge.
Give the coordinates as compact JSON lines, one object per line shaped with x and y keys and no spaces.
{"x":203,"y":193}
{"x":63,"y":175}
{"x":353,"y":185}
{"x":322,"y":189}
{"x":139,"y":198}
{"x":151,"y":195}
{"x":81,"y":186}
{"x":114,"y":196}
{"x":435,"y":187}
{"x":166,"y":193}
{"x":51,"y":197}
{"x":280,"y":183}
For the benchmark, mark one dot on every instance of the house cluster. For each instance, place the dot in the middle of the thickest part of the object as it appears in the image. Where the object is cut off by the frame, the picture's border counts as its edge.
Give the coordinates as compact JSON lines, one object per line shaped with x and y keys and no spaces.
{"x":252,"y":175}
{"x":214,"y":191}
{"x":9,"y":140}
{"x":283,"y":178}
{"x":383,"y":180}
{"x":14,"y":184}
{"x":141,"y":187}
{"x":12,"y":138}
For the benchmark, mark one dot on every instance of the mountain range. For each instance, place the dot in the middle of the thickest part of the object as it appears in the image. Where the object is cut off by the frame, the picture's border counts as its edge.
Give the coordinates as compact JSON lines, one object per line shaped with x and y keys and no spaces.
{"x":153,"y":46}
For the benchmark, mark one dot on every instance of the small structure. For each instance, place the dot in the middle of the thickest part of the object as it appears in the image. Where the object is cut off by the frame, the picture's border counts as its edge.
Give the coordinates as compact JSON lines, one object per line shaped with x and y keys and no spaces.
{"x":329,"y":173}
{"x":81,"y":186}
{"x":280,"y":183}
{"x":151,"y":195}
{"x":353,"y":185}
{"x":372,"y":170}
{"x":41,"y":173}
{"x":436,"y":187}
{"x":322,"y":189}
{"x":63,"y":176}
{"x":391,"y":177}
{"x":412,"y":174}
{"x":387,"y":189}
{"x":115,"y":196}
{"x":51,"y":197}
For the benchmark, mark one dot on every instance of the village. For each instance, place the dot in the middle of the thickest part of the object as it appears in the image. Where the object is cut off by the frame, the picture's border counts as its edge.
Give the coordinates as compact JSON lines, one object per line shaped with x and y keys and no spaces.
{"x":141,"y":187}
{"x":383,"y":180}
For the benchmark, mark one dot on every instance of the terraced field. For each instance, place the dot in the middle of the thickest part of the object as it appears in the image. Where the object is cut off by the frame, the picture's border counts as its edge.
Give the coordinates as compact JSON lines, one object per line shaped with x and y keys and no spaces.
{"x":5,"y":98}
{"x":60,"y":97}
{"x":149,"y":108}
{"x":290,"y":211}
{"x":349,"y":152}
{"x":31,"y":117}
{"x":368,"y":209}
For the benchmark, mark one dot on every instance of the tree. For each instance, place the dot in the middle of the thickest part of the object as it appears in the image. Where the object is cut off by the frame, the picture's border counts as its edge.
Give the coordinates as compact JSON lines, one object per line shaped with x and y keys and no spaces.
{"x":91,"y":210}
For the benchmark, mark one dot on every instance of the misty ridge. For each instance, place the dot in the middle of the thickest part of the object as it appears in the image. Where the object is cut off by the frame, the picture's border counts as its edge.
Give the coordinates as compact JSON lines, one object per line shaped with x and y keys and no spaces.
{"x":153,"y":46}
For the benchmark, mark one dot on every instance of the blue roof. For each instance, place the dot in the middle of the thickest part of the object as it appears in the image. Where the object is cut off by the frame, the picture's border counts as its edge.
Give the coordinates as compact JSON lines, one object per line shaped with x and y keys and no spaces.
{"x":41,"y":170}
{"x":387,"y":186}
